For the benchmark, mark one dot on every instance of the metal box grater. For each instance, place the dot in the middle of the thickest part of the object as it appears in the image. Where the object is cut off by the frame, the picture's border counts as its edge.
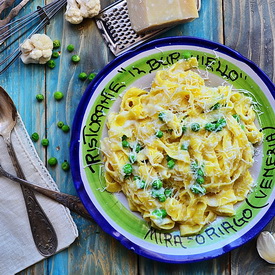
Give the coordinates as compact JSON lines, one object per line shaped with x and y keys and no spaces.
{"x":115,"y":27}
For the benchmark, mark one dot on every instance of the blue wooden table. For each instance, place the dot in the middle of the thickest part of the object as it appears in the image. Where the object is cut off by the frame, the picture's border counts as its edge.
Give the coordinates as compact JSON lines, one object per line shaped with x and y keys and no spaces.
{"x":246,"y":26}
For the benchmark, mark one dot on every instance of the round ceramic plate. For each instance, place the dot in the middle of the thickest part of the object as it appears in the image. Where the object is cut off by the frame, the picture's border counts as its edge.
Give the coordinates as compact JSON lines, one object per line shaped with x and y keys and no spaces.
{"x":111,"y":211}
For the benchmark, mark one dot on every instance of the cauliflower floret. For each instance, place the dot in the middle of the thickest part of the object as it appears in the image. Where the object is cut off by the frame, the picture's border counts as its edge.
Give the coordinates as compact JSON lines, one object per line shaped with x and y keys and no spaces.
{"x":37,"y":49}
{"x":77,"y":10}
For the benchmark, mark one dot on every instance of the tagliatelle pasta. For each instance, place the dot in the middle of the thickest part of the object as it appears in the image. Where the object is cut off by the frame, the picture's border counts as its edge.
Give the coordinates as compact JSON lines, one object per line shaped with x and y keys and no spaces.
{"x":181,"y":152}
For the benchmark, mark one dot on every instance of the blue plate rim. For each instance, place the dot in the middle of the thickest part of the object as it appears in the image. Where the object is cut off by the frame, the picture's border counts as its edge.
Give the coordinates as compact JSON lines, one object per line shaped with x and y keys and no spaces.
{"x":76,"y":132}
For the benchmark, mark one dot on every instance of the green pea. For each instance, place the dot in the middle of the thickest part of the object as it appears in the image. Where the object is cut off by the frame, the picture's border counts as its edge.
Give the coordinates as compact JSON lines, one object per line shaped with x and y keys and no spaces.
{"x":55,"y":54}
{"x":159,"y":134}
{"x":200,"y":180}
{"x":91,"y":76}
{"x":211,"y":127}
{"x":35,"y":137}
{"x":200,"y":172}
{"x":65,"y":166}
{"x":184,"y":128}
{"x":194,"y":165}
{"x":184,"y":146}
{"x":195,"y":127}
{"x":132,"y":158}
{"x":198,"y":189}
{"x":45,"y":142}
{"x":237,"y":117}
{"x":186,"y":55}
{"x":157,"y":184}
{"x":128,"y":169}
{"x":52,"y":161}
{"x":161,"y":197}
{"x":162,"y":116}
{"x":70,"y":47}
{"x":168,"y":193}
{"x":154,"y":193}
{"x":140,"y":184}
{"x":51,"y":64}
{"x":56,"y":44}
{"x":82,"y":76}
{"x":138,"y":148}
{"x":60,"y":124}
{"x":65,"y":128}
{"x":75,"y":58}
{"x":160,"y":213}
{"x":171,"y":163}
{"x":39,"y":97}
{"x":58,"y":95}
{"x":125,"y":143}
{"x":221,"y":123}
{"x":216,"y":106}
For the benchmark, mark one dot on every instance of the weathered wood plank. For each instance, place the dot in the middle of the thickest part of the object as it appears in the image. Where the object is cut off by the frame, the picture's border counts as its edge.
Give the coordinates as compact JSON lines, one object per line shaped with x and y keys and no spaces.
{"x":253,"y":36}
{"x":208,"y":26}
{"x":94,"y":251}
{"x":23,"y":82}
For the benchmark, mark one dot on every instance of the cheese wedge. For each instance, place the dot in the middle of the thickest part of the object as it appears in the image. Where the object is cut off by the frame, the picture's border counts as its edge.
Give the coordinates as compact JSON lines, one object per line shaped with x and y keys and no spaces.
{"x":148,"y":15}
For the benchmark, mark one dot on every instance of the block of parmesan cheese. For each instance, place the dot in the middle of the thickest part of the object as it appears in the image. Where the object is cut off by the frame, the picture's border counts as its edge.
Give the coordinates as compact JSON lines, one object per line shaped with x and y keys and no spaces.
{"x":149,"y":15}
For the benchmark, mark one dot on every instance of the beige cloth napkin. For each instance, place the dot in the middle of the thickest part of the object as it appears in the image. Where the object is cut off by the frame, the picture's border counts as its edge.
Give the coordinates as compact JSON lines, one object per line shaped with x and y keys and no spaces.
{"x":17,"y":248}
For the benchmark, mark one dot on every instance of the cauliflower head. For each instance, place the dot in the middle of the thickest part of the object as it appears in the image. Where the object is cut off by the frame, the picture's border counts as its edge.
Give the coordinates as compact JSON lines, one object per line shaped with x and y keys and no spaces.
{"x":37,"y":49}
{"x":77,"y":10}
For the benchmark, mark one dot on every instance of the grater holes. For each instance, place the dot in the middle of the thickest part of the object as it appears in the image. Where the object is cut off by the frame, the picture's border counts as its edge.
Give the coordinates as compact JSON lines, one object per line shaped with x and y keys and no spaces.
{"x":123,"y":26}
{"x":111,"y":29}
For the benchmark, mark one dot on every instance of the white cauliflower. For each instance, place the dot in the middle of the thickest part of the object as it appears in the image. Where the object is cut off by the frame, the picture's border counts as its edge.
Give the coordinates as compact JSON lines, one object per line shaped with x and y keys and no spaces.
{"x":77,"y":10}
{"x":37,"y":49}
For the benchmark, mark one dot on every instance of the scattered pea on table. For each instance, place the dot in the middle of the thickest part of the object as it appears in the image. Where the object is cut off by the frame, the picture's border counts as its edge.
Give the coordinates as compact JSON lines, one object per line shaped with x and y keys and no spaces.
{"x":65,"y":128}
{"x":45,"y":142}
{"x":58,"y":95}
{"x":51,"y":64}
{"x":56,"y":44}
{"x":60,"y":124}
{"x":55,"y":54}
{"x":75,"y":58}
{"x":65,"y":166}
{"x":70,"y":48}
{"x":39,"y":97}
{"x":82,"y":76}
{"x":91,"y":76}
{"x":35,"y":137}
{"x":52,"y":161}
